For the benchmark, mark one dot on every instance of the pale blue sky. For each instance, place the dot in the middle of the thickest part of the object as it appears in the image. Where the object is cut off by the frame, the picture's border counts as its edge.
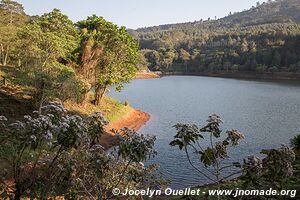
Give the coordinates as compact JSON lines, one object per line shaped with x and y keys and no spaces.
{"x":140,"y":13}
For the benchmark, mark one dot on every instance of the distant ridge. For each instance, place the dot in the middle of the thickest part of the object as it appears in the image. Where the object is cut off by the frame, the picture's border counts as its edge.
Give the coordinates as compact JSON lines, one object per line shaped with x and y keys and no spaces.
{"x":262,"y":39}
{"x":279,"y":11}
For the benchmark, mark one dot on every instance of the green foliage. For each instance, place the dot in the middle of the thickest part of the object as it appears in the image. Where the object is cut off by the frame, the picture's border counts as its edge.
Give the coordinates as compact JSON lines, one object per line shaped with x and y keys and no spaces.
{"x":49,"y":38}
{"x":11,"y":13}
{"x":30,"y":148}
{"x":54,"y":153}
{"x":189,"y":137}
{"x":12,"y":16}
{"x":186,"y":135}
{"x":60,"y":60}
{"x":44,"y":44}
{"x":108,"y":54}
{"x":271,"y":172}
{"x":253,"y":43}
{"x":295,"y":143}
{"x":142,"y":63}
{"x":63,"y":28}
{"x":134,"y":147}
{"x":261,"y":68}
{"x":184,"y":55}
{"x":276,"y":170}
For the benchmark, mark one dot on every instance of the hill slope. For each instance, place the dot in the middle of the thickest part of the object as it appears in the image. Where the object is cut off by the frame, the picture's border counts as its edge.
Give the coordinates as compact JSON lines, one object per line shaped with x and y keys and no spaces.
{"x":279,"y":11}
{"x":265,"y":38}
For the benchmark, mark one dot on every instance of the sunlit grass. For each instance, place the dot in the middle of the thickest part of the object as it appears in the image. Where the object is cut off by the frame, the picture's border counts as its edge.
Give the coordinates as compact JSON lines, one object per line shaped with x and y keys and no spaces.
{"x":109,"y":107}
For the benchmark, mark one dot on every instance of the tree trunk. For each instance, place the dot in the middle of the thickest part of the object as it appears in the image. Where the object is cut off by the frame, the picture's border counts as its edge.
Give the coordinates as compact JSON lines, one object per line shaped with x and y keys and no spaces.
{"x":11,"y":18}
{"x":39,"y":97}
{"x":99,"y":94}
{"x":4,"y":80}
{"x":5,"y":57}
{"x":1,"y":53}
{"x":19,"y":62}
{"x":18,"y":193}
{"x":186,"y":67}
{"x":41,"y":101}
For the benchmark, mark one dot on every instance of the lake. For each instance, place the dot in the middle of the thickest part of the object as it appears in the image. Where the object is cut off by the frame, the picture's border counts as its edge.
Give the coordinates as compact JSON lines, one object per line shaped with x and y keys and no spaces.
{"x":267,"y":112}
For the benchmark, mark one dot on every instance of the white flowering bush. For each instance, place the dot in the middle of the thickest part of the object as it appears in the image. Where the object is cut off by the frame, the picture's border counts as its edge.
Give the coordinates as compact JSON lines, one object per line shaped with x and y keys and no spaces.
{"x":135,"y":147}
{"x":295,"y":143}
{"x":55,"y":153}
{"x":30,"y":149}
{"x":96,"y":173}
{"x":213,"y":155}
{"x":271,"y":172}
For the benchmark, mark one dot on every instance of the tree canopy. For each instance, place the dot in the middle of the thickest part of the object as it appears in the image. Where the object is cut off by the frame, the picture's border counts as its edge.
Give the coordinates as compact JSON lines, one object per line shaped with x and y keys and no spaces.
{"x":62,"y":59}
{"x":108,"y":54}
{"x":261,"y":39}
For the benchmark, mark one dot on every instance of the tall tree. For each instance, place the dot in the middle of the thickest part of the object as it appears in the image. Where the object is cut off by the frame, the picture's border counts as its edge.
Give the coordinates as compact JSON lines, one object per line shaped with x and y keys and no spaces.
{"x":12,"y":16}
{"x":185,"y":57}
{"x":46,"y":43}
{"x":59,"y":24}
{"x":108,"y":55}
{"x":153,"y":58}
{"x":244,"y":46}
{"x":10,"y":12}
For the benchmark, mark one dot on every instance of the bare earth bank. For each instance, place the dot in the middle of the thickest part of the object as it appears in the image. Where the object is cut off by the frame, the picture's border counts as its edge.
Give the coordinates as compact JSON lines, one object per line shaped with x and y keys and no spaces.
{"x":133,"y":120}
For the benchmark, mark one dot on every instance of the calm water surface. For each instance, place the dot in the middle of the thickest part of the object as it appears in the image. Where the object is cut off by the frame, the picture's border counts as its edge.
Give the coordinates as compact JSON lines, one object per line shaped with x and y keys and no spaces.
{"x":268,"y":113}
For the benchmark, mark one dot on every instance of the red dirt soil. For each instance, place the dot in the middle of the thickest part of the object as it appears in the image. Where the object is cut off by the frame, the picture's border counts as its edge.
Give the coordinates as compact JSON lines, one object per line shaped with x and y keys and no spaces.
{"x":133,"y":120}
{"x":146,"y":75}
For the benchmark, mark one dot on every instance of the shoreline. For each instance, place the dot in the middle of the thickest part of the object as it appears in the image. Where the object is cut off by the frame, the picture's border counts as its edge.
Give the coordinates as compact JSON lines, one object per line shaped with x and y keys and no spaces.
{"x":284,"y":76}
{"x":147,"y":75}
{"x":118,"y":115}
{"x":135,"y":120}
{"x":281,"y":76}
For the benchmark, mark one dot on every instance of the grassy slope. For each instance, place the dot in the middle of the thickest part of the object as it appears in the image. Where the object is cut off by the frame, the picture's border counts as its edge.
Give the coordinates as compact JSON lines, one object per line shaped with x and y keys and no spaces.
{"x":15,"y":107}
{"x":110,"y":108}
{"x":16,"y":101}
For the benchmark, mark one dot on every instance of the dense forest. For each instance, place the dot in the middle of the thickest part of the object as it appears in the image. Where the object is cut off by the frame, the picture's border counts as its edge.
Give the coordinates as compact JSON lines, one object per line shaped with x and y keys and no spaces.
{"x":52,"y":57}
{"x":265,"y":38}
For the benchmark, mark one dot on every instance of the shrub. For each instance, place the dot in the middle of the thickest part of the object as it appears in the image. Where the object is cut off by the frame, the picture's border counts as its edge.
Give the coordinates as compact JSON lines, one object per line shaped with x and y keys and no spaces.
{"x":295,"y":143}
{"x":188,"y":139}
{"x":55,"y":153}
{"x":271,"y":172}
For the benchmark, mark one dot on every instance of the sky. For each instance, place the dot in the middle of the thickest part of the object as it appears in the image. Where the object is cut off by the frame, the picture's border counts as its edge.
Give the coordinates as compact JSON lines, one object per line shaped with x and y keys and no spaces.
{"x":140,"y":13}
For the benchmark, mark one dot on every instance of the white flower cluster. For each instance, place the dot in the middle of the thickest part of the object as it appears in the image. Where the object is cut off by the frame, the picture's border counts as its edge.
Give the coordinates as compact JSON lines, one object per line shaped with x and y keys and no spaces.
{"x":3,"y":118}
{"x":134,"y":146}
{"x":254,"y":164}
{"x":235,"y":136}
{"x":215,"y":119}
{"x":280,"y":160}
{"x":55,"y":108}
{"x":99,"y":117}
{"x":287,"y":158}
{"x":74,"y":126}
{"x":221,"y":150}
{"x":53,"y":125}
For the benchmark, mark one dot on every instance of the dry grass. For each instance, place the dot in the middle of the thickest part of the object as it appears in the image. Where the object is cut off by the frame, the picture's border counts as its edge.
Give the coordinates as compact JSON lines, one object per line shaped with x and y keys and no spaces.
{"x":110,"y":108}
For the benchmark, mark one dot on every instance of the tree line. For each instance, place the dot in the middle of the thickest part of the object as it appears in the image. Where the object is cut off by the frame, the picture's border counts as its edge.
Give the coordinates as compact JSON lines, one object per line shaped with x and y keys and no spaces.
{"x":56,"y":58}
{"x":245,"y":41}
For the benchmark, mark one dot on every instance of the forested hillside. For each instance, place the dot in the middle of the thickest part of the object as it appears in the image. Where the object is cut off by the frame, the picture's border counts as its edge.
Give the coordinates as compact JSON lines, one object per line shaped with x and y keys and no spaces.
{"x":265,"y":38}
